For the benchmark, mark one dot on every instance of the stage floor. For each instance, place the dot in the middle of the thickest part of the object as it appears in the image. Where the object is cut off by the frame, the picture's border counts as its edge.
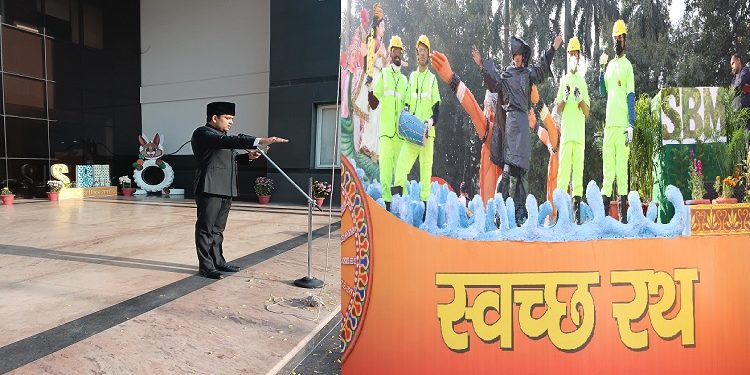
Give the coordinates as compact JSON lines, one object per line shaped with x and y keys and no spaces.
{"x":110,"y":285}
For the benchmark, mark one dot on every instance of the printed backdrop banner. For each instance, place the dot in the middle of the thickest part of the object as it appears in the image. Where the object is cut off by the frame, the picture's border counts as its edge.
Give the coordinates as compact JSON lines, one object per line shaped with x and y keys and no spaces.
{"x":416,"y":303}
{"x":420,"y":304}
{"x":451,"y":28}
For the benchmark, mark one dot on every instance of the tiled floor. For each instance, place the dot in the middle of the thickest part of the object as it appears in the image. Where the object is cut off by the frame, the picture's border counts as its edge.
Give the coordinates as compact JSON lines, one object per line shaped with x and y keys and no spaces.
{"x":109,"y":286}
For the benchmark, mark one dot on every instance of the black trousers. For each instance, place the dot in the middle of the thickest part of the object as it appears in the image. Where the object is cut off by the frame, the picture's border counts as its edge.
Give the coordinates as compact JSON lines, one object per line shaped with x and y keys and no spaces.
{"x":514,"y":182}
{"x":209,"y":229}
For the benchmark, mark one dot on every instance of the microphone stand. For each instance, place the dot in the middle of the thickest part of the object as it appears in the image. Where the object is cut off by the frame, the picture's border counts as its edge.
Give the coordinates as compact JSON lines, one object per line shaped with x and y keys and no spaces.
{"x":309,"y":199}
{"x":308,"y":282}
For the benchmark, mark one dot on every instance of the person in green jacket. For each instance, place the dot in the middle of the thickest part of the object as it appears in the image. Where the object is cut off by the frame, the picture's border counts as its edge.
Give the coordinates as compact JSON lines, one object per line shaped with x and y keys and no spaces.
{"x":574,"y":102}
{"x":424,"y":103}
{"x":390,"y":91}
{"x":617,"y":83}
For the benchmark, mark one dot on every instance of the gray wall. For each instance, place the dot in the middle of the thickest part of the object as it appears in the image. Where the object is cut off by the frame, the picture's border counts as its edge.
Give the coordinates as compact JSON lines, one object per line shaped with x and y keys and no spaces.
{"x":275,"y":59}
{"x":304,"y":69}
{"x":194,"y":52}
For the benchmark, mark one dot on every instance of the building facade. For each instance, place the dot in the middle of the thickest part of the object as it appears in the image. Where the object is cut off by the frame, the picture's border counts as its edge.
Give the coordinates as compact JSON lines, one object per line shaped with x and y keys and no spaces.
{"x":70,"y":87}
{"x":81,"y":79}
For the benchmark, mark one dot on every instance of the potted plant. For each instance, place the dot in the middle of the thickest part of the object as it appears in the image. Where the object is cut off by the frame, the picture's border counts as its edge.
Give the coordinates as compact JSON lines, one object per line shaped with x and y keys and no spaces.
{"x":697,"y":190}
{"x":263,"y":188}
{"x":54,"y":189}
{"x":321,"y":190}
{"x":643,"y":150}
{"x":7,"y":196}
{"x":737,"y":136}
{"x":725,"y":189}
{"x":126,"y":189}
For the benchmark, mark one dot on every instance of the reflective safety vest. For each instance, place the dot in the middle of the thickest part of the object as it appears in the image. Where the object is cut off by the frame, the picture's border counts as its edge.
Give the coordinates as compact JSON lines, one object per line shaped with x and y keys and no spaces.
{"x":391,"y":89}
{"x":573,"y":122}
{"x":619,"y":82}
{"x":423,"y":94}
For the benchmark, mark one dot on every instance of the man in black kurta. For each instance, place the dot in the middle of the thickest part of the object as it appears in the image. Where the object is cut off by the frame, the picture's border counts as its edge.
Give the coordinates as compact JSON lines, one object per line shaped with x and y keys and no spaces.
{"x":216,"y":182}
{"x":513,"y":86}
{"x":741,"y":84}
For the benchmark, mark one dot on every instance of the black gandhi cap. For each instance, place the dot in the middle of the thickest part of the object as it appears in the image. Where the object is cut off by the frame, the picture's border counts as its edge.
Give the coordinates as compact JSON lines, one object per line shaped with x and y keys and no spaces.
{"x":220,"y":108}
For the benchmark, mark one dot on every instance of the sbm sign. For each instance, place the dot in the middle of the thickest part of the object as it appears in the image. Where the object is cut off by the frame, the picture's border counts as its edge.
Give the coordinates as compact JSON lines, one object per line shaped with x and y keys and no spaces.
{"x":690,"y":114}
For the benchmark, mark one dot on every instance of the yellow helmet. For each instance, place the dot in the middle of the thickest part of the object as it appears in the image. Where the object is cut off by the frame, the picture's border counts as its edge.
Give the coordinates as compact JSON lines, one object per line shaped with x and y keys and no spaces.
{"x":619,"y":28}
{"x":574,"y":44}
{"x":423,"y":39}
{"x":395,"y":43}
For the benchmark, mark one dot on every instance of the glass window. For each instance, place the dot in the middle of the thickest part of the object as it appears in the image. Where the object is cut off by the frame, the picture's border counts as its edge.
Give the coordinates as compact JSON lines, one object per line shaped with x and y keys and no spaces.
{"x":65,"y":140}
{"x":75,"y":20}
{"x":50,"y":55}
{"x":97,"y":130}
{"x":325,"y":156}
{"x":2,"y":142}
{"x":24,"y":97}
{"x":67,"y":68}
{"x":22,"y":52}
{"x":59,"y":9}
{"x":28,"y":177}
{"x":26,"y":138}
{"x":3,"y":174}
{"x":57,"y":19}
{"x":64,"y":102}
{"x":80,"y":143}
{"x":51,"y":99}
{"x":92,"y":27}
{"x":23,"y":13}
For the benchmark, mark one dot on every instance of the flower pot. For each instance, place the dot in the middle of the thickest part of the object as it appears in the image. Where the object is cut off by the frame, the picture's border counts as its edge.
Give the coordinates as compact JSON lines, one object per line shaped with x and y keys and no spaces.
{"x":8,"y":199}
{"x":264,"y":199}
{"x":695,"y":202}
{"x":721,"y":200}
{"x":613,"y":210}
{"x":128,"y":192}
{"x":53,"y":195}
{"x":319,"y":201}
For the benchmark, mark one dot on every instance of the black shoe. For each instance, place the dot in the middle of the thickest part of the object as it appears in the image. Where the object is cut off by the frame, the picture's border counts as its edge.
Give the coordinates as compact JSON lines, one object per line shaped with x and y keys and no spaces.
{"x":605,"y":201}
{"x":577,"y":209}
{"x":212,"y":274}
{"x":623,"y":209}
{"x":227,"y":268}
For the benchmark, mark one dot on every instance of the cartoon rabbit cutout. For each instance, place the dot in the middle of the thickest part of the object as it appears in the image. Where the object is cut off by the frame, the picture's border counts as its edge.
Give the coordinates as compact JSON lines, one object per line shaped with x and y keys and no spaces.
{"x":149,"y":150}
{"x":149,"y":156}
